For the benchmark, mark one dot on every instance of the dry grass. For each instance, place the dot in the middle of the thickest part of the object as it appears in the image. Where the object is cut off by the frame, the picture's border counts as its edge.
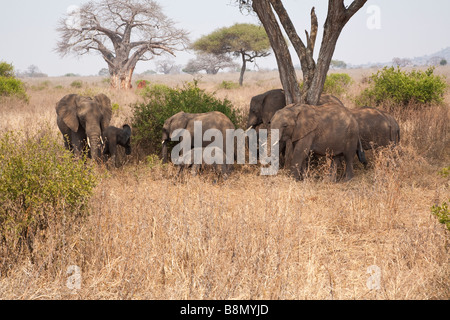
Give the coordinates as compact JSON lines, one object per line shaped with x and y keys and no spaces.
{"x":150,"y":236}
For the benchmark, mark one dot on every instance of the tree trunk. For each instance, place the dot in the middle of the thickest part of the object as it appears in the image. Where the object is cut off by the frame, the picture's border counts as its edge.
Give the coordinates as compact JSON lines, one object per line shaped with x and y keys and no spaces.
{"x":286,"y":68}
{"x":122,"y":79}
{"x":244,"y":67}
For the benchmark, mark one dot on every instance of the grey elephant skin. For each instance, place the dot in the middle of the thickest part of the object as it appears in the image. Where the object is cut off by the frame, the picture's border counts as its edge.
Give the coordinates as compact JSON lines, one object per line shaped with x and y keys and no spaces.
{"x":377,"y":128}
{"x":181,"y":120}
{"x":82,"y":121}
{"x":326,"y":129}
{"x":113,"y":137}
{"x":264,"y":106}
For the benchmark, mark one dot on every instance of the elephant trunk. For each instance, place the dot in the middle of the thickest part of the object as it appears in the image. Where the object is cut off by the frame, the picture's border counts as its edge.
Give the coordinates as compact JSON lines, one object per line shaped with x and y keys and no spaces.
{"x":252,"y":121}
{"x":95,"y":147}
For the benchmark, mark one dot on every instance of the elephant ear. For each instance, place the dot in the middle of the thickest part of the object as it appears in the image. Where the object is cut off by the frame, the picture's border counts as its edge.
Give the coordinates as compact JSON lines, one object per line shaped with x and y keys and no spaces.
{"x":66,"y":109}
{"x":179,"y":121}
{"x":305,"y":122}
{"x":105,"y":106}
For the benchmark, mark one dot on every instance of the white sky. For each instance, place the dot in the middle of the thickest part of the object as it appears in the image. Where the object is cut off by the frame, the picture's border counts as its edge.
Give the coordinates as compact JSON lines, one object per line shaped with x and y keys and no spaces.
{"x":408,"y":29}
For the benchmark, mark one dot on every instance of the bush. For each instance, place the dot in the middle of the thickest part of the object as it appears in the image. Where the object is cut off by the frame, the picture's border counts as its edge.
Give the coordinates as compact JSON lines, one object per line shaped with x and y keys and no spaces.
{"x":6,"y":70}
{"x":76,"y":84}
{"x":162,"y":102}
{"x":9,"y":85}
{"x":12,"y":87}
{"x":337,"y":83}
{"x":228,"y":85}
{"x":41,"y":186}
{"x":394,"y":86}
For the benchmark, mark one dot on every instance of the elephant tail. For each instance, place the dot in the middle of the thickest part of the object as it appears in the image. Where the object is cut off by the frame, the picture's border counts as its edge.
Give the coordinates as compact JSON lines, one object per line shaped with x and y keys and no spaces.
{"x":361,"y":154}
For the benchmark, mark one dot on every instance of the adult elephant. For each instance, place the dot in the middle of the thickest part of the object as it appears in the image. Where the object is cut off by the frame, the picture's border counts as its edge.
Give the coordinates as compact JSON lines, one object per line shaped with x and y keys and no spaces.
{"x":82,"y":121}
{"x":181,"y":120}
{"x":376,"y":128}
{"x":326,"y":129}
{"x":264,"y":106}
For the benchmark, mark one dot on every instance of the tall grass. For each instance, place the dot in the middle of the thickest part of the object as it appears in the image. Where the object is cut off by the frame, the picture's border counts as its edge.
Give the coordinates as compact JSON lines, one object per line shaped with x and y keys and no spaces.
{"x":152,"y":236}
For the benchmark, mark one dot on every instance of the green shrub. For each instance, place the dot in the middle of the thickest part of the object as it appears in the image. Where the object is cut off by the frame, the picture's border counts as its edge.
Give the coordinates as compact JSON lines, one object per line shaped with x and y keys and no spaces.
{"x":161,"y":102}
{"x":6,"y":70}
{"x":12,"y":87}
{"x":228,"y":85}
{"x":76,"y":84}
{"x":9,"y":85}
{"x":442,"y":213}
{"x":337,"y":83}
{"x":41,"y":186}
{"x":394,"y":86}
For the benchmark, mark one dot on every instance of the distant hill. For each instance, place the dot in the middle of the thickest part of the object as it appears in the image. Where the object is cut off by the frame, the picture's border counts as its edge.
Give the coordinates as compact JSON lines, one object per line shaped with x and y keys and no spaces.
{"x":426,"y":60}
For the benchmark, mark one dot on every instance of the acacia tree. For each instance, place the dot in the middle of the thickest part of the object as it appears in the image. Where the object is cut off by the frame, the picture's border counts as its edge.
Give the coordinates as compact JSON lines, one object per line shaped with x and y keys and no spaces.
{"x":314,"y":73}
{"x":123,"y":32}
{"x":244,"y":40}
{"x":211,"y":63}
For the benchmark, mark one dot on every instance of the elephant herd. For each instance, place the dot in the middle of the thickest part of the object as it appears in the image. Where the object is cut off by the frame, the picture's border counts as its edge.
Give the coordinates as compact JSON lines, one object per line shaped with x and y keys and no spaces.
{"x":328,"y":129}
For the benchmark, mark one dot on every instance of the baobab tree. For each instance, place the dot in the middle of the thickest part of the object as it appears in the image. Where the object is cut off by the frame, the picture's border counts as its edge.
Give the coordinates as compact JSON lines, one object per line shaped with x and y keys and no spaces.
{"x":314,"y":73}
{"x":123,"y":32}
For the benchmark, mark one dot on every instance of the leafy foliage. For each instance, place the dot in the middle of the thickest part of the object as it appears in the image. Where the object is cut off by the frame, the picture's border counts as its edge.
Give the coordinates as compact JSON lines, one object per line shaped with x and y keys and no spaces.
{"x":76,"y":84}
{"x":392,"y":85}
{"x":40,"y":186}
{"x":228,"y":85}
{"x":6,"y":70}
{"x":162,"y":102}
{"x":9,"y":85}
{"x":337,"y":83}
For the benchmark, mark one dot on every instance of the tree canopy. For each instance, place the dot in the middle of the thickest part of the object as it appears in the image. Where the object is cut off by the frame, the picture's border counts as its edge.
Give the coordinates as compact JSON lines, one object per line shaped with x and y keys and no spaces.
{"x":244,"y":40}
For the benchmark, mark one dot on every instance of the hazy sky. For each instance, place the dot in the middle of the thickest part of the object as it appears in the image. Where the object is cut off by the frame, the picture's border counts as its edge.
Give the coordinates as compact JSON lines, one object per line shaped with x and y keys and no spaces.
{"x":403,"y":28}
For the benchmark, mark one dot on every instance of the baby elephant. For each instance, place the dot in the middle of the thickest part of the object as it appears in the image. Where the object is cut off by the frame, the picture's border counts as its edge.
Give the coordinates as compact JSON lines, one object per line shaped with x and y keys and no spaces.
{"x":114,"y":136}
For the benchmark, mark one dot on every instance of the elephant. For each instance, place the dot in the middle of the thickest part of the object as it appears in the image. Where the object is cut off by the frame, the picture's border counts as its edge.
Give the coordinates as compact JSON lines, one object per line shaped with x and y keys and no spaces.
{"x":181,"y":120}
{"x":113,"y":136}
{"x":326,"y":129}
{"x":377,"y":128}
{"x":264,"y":106}
{"x":82,"y":121}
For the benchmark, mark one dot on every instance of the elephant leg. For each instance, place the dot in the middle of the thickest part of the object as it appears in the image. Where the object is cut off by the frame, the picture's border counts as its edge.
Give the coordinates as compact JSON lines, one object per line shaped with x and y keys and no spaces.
{"x":349,"y":156}
{"x":299,"y":155}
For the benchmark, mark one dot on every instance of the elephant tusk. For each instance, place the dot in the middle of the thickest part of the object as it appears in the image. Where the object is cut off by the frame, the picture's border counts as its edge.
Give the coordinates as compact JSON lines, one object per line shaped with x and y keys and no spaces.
{"x":276,"y":143}
{"x":264,"y":144}
{"x":248,"y":129}
{"x":101,"y":140}
{"x":164,"y":141}
{"x":88,"y":142}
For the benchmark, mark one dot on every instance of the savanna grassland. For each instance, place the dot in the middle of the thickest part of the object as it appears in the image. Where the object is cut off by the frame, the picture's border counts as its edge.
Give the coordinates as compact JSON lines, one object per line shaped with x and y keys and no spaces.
{"x":150,"y":235}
